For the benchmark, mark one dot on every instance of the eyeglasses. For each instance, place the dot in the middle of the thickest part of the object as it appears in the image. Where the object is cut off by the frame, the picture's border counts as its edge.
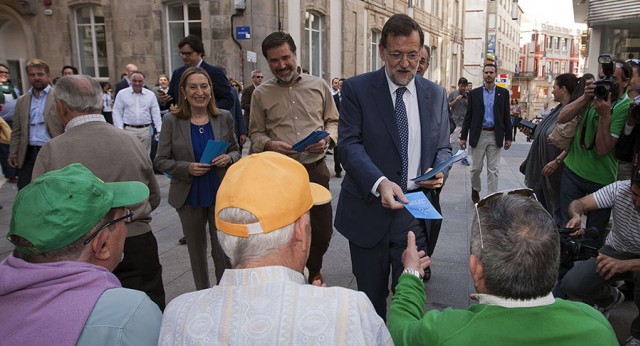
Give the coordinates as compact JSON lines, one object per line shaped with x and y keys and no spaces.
{"x":127,"y":217}
{"x":4,"y":72}
{"x":486,"y":199}
{"x":413,"y":56}
{"x":185,"y":54}
{"x":258,"y":76}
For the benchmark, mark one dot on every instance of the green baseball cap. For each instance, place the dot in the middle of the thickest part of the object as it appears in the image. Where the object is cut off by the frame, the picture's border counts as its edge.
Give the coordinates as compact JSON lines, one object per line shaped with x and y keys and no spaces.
{"x":61,"y":206}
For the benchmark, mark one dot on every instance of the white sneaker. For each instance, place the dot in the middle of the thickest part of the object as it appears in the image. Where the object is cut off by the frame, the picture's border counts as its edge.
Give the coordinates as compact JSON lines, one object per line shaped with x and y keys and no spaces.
{"x":632,"y":341}
{"x":616,"y":302}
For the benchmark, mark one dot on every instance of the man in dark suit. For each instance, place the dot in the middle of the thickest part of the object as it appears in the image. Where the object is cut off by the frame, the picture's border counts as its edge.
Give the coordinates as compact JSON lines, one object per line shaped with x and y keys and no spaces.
{"x":125,"y":82}
{"x":393,"y":126}
{"x":488,"y":124}
{"x":337,"y":164}
{"x":192,"y":52}
{"x":256,"y":79}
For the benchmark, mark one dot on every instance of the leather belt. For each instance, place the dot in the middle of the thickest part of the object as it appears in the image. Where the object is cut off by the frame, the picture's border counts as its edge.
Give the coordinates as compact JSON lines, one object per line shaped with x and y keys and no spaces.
{"x":314,"y":164}
{"x":488,"y":128}
{"x":34,"y":147}
{"x":137,"y":126}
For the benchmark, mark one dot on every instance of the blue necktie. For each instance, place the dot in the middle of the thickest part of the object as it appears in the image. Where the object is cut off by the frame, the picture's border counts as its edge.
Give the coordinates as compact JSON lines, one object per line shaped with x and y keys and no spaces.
{"x":403,"y":132}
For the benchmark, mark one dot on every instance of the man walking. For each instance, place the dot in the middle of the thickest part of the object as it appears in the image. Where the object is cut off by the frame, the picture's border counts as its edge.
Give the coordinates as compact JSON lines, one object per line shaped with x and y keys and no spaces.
{"x":35,"y":121}
{"x":487,"y":124}
{"x":394,"y":126}
{"x":113,"y":156}
{"x":136,"y":110}
{"x":284,"y":110}
{"x":256,"y":79}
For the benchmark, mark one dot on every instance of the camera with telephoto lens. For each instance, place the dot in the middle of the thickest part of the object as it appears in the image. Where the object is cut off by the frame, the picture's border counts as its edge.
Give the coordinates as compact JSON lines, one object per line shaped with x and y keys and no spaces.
{"x":465,"y":95}
{"x":578,"y":248}
{"x":634,"y":109}
{"x":607,"y":85}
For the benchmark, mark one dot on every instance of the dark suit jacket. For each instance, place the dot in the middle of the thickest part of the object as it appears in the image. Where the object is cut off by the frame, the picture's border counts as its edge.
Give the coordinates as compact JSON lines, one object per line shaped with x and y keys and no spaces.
{"x":472,"y":125}
{"x":123,"y":84}
{"x":369,"y":147}
{"x":245,"y":101}
{"x":221,"y":92}
{"x":236,"y":112}
{"x":336,"y":99}
{"x":175,"y":152}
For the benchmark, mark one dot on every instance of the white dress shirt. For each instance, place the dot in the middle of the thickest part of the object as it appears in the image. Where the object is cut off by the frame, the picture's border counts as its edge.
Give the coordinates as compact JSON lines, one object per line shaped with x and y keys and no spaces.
{"x":132,"y":108}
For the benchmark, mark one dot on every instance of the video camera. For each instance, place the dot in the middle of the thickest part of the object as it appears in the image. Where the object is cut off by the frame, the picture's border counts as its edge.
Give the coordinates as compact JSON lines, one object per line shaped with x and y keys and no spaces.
{"x":634,"y":109}
{"x":608,"y":84}
{"x":578,"y":248}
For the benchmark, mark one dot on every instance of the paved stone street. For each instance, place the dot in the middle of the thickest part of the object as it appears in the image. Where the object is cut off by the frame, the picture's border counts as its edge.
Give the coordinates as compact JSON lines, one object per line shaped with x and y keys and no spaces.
{"x":449,"y":286}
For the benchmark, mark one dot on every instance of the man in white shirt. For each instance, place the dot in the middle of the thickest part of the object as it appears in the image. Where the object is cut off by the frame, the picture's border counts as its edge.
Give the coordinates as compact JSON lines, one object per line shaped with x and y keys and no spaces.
{"x":262,"y":215}
{"x":136,"y":110}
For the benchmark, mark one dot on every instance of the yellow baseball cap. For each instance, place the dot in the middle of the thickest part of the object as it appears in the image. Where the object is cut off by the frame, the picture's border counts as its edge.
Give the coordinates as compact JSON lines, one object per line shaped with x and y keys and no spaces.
{"x":273,"y":187}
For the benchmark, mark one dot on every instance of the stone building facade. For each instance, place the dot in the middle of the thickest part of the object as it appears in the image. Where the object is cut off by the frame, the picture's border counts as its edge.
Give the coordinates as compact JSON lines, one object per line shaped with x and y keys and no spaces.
{"x":335,"y":38}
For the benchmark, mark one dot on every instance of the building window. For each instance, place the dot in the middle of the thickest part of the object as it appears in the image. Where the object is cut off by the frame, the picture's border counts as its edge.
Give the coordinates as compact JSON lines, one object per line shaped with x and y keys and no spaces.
{"x":555,"y":44}
{"x":183,"y":19}
{"x":91,"y":41}
{"x":312,"y":54}
{"x":435,"y":8}
{"x":564,"y":67}
{"x":556,"y":65}
{"x":374,"y":63}
{"x":548,"y":69}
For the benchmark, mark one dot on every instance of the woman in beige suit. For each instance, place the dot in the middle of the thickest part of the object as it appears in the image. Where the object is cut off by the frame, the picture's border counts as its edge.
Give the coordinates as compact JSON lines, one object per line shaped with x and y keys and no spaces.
{"x":185,"y":133}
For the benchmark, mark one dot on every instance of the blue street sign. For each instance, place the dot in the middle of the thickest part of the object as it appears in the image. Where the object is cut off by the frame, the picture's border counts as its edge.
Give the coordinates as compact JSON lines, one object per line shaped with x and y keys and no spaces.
{"x":243,"y":32}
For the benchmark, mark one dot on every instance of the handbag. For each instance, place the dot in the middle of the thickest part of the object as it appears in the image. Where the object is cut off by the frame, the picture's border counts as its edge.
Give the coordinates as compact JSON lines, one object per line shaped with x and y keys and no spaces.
{"x":563,"y":134}
{"x":5,"y":132}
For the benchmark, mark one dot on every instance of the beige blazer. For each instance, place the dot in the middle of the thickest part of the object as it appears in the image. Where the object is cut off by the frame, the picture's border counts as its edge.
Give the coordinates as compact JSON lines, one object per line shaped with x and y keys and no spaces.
{"x":21,"y":117}
{"x":175,"y":152}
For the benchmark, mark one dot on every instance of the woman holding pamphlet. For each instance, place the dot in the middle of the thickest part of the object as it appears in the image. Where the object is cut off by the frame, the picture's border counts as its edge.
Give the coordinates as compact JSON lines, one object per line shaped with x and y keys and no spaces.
{"x":197,"y":145}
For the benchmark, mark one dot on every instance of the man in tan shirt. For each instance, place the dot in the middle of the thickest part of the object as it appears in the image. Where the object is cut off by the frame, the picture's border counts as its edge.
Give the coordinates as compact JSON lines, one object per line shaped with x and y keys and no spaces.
{"x":284,"y":110}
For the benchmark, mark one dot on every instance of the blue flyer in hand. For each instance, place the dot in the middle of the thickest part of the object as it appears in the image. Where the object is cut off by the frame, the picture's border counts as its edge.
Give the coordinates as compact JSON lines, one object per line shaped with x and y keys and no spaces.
{"x":461,"y":154}
{"x":420,"y":207}
{"x":312,"y":138}
{"x":213,"y":150}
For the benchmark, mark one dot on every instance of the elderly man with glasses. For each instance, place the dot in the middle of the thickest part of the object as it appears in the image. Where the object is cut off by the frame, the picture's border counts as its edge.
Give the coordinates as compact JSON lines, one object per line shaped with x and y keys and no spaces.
{"x":112,"y":155}
{"x":68,"y":228}
{"x":514,"y":260}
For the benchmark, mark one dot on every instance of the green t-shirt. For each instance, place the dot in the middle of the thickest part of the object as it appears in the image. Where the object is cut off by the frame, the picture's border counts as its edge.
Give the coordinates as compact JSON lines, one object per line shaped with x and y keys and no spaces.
{"x":585,"y":161}
{"x":560,"y":323}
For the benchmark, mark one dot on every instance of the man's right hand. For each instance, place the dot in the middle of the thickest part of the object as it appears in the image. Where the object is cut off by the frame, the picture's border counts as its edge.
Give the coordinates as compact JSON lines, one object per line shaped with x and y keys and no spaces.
{"x":412,"y":258}
{"x":463,"y":144}
{"x":280,"y":147}
{"x":197,"y":169}
{"x":388,"y":191}
{"x":12,"y":161}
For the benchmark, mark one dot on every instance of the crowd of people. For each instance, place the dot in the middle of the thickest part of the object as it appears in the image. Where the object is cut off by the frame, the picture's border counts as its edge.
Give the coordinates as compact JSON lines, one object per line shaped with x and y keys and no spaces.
{"x":86,"y":270}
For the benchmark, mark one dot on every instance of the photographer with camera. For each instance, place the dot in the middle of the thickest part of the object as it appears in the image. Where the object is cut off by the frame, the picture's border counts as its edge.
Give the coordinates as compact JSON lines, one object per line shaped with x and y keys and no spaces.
{"x":591,"y":163}
{"x":629,"y":141}
{"x":619,"y":258}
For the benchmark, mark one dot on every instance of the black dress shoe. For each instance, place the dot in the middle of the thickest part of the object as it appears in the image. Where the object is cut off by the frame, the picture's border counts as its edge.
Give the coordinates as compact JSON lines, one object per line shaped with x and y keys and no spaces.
{"x":339,"y":175}
{"x":427,"y":274}
{"x":182,"y":241}
{"x":475,"y":196}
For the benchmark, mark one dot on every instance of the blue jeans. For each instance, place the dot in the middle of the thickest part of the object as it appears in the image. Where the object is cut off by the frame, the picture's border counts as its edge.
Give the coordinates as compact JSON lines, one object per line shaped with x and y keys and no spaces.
{"x":582,"y":282}
{"x":573,"y":187}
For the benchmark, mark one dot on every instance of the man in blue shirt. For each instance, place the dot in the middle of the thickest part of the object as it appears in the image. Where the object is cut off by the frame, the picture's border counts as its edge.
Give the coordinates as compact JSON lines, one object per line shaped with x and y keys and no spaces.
{"x":488,"y":124}
{"x":35,"y":121}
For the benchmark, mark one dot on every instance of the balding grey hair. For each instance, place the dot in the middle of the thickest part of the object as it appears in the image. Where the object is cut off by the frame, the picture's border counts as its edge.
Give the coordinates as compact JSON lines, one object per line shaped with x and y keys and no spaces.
{"x":520,"y":247}
{"x":80,"y":93}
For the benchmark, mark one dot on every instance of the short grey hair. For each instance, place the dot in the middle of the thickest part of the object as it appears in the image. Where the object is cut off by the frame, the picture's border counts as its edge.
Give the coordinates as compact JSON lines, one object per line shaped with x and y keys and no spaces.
{"x":255,"y":72}
{"x":257,"y":246}
{"x":80,"y":93}
{"x":521,"y":247}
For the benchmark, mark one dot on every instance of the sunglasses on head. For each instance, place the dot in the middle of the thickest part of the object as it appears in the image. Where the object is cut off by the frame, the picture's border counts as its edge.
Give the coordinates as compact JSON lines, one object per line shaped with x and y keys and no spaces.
{"x":481,"y":203}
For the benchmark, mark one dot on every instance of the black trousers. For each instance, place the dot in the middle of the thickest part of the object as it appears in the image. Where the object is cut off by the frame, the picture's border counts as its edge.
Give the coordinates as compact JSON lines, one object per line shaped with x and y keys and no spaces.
{"x":140,"y":269}
{"x":372,"y":266}
{"x":321,"y":219}
{"x":25,"y":172}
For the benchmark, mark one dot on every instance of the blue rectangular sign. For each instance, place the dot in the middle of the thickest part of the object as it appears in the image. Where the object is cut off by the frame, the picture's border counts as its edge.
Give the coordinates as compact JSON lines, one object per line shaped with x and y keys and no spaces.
{"x":243,"y":32}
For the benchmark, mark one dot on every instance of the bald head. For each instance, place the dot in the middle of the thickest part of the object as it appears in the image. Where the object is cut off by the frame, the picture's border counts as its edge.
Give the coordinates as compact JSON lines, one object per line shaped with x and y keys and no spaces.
{"x":130,"y":68}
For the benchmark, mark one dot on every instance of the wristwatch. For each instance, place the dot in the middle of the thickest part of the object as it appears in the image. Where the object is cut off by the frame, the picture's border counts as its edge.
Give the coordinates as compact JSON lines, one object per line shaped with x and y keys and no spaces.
{"x":412,"y":272}
{"x":558,"y":161}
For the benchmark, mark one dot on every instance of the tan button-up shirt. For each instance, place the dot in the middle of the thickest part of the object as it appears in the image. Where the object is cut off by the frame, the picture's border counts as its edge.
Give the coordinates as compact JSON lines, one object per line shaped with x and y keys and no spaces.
{"x":290,"y":113}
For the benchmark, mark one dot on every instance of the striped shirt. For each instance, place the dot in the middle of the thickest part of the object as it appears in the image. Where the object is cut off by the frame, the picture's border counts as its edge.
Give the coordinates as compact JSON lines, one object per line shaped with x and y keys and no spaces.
{"x":625,"y":231}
